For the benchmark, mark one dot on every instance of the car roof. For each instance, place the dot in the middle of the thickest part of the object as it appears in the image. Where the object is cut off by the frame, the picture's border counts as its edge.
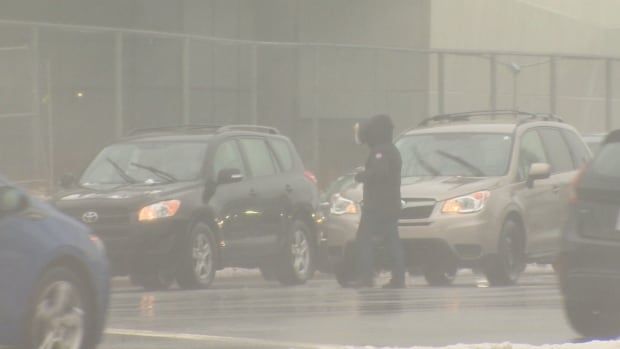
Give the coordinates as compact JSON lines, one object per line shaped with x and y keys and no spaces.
{"x":198,"y":133}
{"x":466,"y":127}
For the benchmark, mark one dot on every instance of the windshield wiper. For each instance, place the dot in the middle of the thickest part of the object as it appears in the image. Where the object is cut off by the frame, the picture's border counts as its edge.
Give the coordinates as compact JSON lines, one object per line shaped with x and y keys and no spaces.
{"x":475,"y":170}
{"x":170,"y":178}
{"x":435,"y":172}
{"x":127,"y":178}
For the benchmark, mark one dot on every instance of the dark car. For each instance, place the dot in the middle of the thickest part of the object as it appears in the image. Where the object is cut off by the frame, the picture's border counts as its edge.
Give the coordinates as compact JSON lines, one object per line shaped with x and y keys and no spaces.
{"x":594,"y":141}
{"x":589,"y":264}
{"x":54,"y":288}
{"x":180,"y":203}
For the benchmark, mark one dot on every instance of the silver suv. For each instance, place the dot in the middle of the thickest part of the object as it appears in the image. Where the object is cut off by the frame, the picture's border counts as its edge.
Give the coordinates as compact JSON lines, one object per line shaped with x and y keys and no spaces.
{"x":481,"y":190}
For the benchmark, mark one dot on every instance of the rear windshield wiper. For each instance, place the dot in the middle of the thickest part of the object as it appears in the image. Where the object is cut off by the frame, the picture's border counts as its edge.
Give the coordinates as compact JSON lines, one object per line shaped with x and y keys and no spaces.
{"x":475,"y":170}
{"x":159,"y":173}
{"x":127,"y":178}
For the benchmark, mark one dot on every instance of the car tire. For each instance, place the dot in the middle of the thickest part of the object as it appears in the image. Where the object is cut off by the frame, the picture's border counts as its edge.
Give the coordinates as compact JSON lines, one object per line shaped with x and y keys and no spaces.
{"x":197,"y":259}
{"x":62,"y":303}
{"x":153,"y":280}
{"x":297,"y":258}
{"x":440,"y":275}
{"x":592,"y":321}
{"x":505,"y":267}
{"x":344,"y":269}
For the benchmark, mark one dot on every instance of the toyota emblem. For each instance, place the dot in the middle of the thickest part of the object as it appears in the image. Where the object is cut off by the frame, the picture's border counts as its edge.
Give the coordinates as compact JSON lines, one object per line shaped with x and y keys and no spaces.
{"x":90,"y":217}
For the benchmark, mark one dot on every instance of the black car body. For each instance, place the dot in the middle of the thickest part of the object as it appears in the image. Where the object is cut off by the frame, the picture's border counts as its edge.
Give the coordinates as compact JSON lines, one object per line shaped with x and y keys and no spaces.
{"x":181,"y":203}
{"x":589,"y":264}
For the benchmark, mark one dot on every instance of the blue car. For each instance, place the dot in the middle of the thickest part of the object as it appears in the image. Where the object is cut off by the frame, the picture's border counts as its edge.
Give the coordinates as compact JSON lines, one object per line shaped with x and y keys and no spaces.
{"x":54,"y":283}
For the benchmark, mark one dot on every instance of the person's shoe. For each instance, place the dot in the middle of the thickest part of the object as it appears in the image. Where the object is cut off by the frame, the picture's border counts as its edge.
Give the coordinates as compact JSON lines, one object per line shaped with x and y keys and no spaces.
{"x":395,"y":285}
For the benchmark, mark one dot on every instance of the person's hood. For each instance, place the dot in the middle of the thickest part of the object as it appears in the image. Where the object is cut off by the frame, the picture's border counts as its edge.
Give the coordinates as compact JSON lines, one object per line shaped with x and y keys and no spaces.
{"x":379,"y":129}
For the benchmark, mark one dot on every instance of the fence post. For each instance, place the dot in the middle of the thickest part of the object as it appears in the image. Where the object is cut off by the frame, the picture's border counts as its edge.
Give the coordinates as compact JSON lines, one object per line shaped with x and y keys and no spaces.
{"x":254,"y":84}
{"x":36,"y":120}
{"x":118,"y":77}
{"x":185,"y":81}
{"x":553,"y":84}
{"x":440,"y":83}
{"x":316,"y":158}
{"x":609,"y":95}
{"x":493,"y":83}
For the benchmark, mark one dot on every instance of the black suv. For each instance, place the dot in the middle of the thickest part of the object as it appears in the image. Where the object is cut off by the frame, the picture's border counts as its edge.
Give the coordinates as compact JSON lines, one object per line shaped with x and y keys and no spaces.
{"x":180,"y":203}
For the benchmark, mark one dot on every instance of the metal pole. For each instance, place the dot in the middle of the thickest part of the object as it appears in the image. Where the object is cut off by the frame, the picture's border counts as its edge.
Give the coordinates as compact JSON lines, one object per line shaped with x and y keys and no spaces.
{"x":118,"y":66}
{"x":316,"y":158}
{"x":36,"y":108}
{"x":440,"y":83}
{"x":553,"y":85}
{"x":185,"y":81}
{"x":493,"y":83}
{"x":255,"y":84}
{"x":50,"y":122}
{"x":515,"y":90}
{"x":609,"y":95}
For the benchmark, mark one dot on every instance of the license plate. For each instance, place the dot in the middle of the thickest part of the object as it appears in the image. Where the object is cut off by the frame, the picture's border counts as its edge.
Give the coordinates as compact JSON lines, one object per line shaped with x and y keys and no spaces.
{"x":618,"y":222}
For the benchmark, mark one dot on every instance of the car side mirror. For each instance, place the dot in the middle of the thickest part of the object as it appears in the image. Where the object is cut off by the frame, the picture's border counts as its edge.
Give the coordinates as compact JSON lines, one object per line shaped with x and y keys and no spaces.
{"x":67,"y":180}
{"x":538,"y":171}
{"x":229,"y":175}
{"x":12,"y":200}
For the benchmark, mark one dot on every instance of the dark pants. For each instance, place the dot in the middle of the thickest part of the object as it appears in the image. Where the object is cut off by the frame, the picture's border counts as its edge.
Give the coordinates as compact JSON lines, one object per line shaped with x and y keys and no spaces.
{"x":374,"y":226}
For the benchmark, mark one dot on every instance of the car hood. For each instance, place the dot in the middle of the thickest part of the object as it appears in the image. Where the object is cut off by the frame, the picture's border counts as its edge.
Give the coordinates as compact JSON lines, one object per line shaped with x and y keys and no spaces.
{"x":124,"y":195}
{"x":435,"y":188}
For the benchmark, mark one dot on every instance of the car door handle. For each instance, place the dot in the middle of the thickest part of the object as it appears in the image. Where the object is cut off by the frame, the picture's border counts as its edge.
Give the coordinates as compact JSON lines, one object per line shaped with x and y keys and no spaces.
{"x":288,"y":188}
{"x":253,"y":193}
{"x":555,"y":189}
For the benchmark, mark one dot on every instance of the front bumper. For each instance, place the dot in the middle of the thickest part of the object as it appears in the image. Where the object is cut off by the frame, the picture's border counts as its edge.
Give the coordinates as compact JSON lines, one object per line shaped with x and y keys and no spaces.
{"x":466,"y":237}
{"x":137,"y":246}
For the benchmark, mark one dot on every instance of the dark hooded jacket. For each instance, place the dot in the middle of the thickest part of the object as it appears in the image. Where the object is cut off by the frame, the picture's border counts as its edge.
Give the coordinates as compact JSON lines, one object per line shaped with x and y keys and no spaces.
{"x":381,"y":177}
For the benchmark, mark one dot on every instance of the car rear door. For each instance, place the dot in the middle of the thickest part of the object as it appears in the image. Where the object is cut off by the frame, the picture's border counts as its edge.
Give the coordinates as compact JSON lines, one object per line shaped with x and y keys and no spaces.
{"x":563,"y":170}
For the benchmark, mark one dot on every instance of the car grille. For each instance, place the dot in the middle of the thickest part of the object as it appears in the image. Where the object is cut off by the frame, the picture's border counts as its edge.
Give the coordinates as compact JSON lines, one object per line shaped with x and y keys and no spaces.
{"x":105,"y":216}
{"x":417,"y":208}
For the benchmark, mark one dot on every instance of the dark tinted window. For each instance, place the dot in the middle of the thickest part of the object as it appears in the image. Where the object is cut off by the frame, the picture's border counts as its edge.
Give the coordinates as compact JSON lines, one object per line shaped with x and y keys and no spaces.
{"x":259,"y":156}
{"x":561,"y":158}
{"x":607,"y":162}
{"x":228,"y":156}
{"x":581,"y":155}
{"x":531,"y":151}
{"x":284,"y":154}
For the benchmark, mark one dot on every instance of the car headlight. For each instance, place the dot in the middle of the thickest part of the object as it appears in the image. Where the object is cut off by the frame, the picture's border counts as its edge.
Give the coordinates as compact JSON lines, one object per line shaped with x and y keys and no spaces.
{"x":471,"y":203}
{"x":159,"y":210}
{"x":342,"y":206}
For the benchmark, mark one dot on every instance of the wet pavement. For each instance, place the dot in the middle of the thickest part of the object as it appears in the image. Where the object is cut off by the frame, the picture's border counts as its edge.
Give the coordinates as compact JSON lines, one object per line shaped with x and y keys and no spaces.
{"x":243,"y":311}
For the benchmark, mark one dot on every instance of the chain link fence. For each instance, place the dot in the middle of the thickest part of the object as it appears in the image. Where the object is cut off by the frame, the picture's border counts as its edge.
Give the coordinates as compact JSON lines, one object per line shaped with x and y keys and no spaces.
{"x":66,"y":91}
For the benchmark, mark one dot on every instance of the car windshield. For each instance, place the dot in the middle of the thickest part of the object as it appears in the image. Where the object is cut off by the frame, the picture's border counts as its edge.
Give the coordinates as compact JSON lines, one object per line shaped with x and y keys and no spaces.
{"x":146,"y":163}
{"x":607,"y":163}
{"x":455,"y":154}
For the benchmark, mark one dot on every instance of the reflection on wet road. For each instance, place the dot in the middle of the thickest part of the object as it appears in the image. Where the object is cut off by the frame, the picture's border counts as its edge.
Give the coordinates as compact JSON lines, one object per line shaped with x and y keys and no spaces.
{"x":244,"y":311}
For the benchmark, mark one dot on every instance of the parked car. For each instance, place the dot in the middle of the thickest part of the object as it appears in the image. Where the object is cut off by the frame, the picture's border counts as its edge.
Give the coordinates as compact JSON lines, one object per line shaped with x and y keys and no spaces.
{"x":594,"y":140}
{"x":180,"y":203}
{"x":54,"y":289}
{"x":478,"y":190}
{"x":589,"y":264}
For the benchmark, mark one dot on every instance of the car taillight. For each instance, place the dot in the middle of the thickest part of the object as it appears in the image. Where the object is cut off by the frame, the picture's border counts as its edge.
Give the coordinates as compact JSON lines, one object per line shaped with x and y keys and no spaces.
{"x":573,"y":195}
{"x":311,"y":177}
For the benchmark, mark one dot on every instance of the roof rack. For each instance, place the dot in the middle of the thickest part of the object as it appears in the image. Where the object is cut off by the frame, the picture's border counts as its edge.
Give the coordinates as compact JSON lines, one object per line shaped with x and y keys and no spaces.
{"x":251,"y":128}
{"x":204,"y":129}
{"x":522,"y":116}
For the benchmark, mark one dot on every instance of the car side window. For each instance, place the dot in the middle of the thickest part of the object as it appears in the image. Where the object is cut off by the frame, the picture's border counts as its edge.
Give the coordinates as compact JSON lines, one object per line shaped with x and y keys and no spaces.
{"x":283,"y":153}
{"x":531,"y":150}
{"x":228,"y":156}
{"x":260,"y":159}
{"x":580,"y":153}
{"x":558,"y":150}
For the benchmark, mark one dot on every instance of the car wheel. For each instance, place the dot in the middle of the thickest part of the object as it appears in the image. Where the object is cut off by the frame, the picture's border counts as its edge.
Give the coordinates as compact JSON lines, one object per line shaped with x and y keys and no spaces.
{"x":344,"y":269}
{"x":153,"y":280}
{"x":297,"y":257}
{"x":592,"y":321}
{"x":62,"y":314}
{"x":197,"y":262}
{"x":440,"y":275}
{"x":505,"y":267}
